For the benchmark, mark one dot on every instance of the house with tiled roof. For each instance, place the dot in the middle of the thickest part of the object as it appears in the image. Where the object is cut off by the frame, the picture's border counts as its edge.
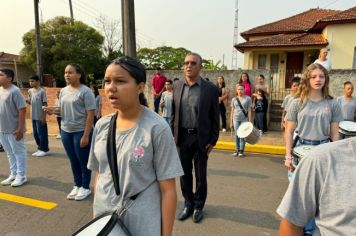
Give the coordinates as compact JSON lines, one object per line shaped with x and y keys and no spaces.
{"x":11,"y":61}
{"x":289,"y":45}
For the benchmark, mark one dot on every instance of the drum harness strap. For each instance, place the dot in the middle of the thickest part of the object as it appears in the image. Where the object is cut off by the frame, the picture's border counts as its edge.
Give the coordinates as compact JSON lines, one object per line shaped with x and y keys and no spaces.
{"x":116,"y":217}
{"x":241,"y":107}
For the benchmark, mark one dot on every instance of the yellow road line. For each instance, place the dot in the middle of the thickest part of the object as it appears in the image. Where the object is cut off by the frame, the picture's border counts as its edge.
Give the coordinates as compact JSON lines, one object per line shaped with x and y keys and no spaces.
{"x":28,"y":201}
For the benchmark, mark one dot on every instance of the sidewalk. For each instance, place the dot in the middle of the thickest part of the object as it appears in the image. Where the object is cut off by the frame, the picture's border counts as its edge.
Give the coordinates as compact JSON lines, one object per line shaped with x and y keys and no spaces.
{"x":270,"y":143}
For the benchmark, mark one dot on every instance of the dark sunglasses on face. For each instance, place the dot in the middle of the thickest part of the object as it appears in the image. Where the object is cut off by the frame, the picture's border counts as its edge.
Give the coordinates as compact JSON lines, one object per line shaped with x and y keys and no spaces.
{"x":193,"y":63}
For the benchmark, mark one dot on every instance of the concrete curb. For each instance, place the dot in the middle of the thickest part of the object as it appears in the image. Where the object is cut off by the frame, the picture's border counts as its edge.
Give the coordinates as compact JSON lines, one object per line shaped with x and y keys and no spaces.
{"x":257,"y":148}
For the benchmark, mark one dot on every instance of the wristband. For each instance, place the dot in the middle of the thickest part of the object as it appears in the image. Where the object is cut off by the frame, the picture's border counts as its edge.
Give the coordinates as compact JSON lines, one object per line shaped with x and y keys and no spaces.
{"x":288,"y":157}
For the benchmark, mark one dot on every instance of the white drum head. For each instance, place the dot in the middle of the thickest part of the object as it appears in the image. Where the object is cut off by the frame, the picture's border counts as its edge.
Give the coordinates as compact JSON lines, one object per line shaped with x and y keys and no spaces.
{"x":245,"y":129}
{"x":348,"y":126}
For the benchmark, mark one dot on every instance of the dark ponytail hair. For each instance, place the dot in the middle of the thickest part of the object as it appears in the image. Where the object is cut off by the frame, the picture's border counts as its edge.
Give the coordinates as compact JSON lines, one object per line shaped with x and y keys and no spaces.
{"x":136,"y":69}
{"x":80,"y":71}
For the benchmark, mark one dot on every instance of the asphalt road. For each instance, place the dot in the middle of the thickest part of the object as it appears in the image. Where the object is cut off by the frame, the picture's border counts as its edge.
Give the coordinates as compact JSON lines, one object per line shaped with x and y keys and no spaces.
{"x":243,"y":194}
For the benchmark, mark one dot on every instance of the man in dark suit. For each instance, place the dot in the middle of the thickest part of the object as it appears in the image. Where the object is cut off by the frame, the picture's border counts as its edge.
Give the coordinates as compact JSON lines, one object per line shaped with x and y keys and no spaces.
{"x":195,"y":126}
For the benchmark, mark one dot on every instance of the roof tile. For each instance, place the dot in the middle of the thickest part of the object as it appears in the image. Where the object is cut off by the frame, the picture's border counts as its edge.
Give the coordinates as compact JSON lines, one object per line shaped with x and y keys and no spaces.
{"x":298,"y":23}
{"x":285,"y":40}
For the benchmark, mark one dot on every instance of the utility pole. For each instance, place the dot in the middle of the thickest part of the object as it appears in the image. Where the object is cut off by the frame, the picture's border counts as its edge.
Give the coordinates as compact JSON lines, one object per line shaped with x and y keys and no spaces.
{"x":128,"y":27}
{"x":38,"y":42}
{"x":236,"y":36}
{"x":71,"y":10}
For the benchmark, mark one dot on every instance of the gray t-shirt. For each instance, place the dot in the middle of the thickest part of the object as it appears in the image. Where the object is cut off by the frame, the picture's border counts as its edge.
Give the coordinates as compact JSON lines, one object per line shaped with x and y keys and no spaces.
{"x":314,"y":118}
{"x":246,"y":104}
{"x":324,"y":187}
{"x":167,"y":100}
{"x":348,"y":108}
{"x":286,"y":102}
{"x":98,"y":102}
{"x":37,"y":98}
{"x":146,"y":155}
{"x":74,"y":105}
{"x":11,"y":100}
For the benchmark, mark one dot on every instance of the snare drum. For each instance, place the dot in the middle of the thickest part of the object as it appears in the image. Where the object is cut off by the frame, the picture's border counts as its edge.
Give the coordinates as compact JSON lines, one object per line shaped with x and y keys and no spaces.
{"x":248,"y":132}
{"x":299,"y":152}
{"x":347,"y":128}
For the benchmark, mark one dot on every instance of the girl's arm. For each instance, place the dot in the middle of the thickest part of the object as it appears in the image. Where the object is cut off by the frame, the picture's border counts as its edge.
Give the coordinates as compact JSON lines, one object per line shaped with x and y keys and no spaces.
{"x":287,"y":228}
{"x":84,"y":141}
{"x":290,"y":127}
{"x":334,"y":131}
{"x":231,"y":118}
{"x":282,"y":120}
{"x":99,"y":110}
{"x":224,"y":94}
{"x":168,"y":205}
{"x":249,"y":114}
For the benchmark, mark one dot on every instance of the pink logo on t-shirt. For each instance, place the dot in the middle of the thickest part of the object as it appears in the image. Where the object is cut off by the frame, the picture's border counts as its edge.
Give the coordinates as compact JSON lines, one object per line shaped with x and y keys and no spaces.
{"x":138,"y":152}
{"x":327,"y":109}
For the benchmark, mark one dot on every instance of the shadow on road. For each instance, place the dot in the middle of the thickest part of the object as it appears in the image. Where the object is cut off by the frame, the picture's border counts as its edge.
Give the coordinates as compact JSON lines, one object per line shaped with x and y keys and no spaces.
{"x":244,"y":216}
{"x":236,"y":173}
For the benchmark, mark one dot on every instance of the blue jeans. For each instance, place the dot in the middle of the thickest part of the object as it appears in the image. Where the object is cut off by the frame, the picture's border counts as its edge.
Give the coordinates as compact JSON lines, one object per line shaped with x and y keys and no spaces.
{"x":240,"y":142}
{"x":78,"y":157}
{"x":40,"y":133}
{"x":16,"y":153}
{"x":156,"y":101}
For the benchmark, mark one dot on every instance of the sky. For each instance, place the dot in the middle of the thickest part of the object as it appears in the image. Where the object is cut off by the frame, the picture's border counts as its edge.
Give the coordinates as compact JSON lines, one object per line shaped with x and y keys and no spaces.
{"x":202,"y":26}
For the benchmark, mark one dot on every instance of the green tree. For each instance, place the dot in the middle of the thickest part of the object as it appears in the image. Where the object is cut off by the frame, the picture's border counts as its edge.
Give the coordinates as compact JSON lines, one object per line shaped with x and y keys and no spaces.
{"x":165,"y":57}
{"x":211,"y":65}
{"x":63,"y":42}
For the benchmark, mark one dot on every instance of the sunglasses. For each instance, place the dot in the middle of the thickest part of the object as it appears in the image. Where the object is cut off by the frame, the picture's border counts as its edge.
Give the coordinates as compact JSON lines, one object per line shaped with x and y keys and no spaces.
{"x":193,"y":63}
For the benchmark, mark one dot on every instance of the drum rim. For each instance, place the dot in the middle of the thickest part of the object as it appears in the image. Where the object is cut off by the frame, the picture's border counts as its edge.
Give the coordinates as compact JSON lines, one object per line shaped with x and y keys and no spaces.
{"x":347,"y":122}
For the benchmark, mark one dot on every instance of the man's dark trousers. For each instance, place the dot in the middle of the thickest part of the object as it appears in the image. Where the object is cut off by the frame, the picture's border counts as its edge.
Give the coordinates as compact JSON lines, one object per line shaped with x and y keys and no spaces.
{"x":192,"y":155}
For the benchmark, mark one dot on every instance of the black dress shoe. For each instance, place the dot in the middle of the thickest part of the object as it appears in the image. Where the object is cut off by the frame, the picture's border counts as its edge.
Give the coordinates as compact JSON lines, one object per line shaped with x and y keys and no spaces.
{"x":197,"y":215}
{"x":185,"y":213}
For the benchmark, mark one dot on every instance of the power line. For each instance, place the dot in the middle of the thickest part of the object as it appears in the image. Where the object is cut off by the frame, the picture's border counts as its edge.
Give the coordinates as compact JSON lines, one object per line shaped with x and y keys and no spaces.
{"x":331,"y":3}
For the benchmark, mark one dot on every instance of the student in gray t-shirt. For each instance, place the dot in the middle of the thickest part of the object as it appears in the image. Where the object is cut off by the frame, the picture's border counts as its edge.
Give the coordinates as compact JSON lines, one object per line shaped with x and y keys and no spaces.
{"x":324,"y":187}
{"x":76,"y":106}
{"x":286,"y":101}
{"x":314,"y":115}
{"x":238,"y":116}
{"x":147,"y":158}
{"x":347,"y":102}
{"x":12,"y":128}
{"x":166,"y":101}
{"x":37,"y":100}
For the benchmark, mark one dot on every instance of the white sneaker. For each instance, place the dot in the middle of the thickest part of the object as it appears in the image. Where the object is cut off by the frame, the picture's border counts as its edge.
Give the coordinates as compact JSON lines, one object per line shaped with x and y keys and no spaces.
{"x":235,"y":154}
{"x":19,"y":180}
{"x":82,"y":194}
{"x":73,"y":193}
{"x":42,"y":154}
{"x":8,"y":181}
{"x":223,"y":130}
{"x":35,"y":153}
{"x":58,"y":136}
{"x":241,"y":154}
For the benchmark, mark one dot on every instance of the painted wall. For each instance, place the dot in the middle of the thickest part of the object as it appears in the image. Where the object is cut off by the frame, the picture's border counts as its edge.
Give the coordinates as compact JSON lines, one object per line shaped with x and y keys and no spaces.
{"x":342,"y":43}
{"x":251,"y":56}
